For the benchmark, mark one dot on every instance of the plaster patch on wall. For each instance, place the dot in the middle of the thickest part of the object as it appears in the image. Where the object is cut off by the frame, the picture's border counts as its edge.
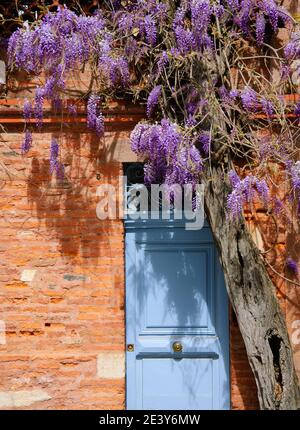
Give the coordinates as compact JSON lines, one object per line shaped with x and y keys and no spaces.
{"x":22,"y":398}
{"x":25,"y":234}
{"x":72,"y":340}
{"x":257,"y":237}
{"x":75,"y":277}
{"x":111,"y":365}
{"x":27,"y":275}
{"x":2,"y":333}
{"x":296,"y":332}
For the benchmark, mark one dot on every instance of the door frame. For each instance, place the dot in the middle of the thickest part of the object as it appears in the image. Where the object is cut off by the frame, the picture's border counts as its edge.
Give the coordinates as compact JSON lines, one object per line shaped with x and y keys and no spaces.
{"x":131,"y":225}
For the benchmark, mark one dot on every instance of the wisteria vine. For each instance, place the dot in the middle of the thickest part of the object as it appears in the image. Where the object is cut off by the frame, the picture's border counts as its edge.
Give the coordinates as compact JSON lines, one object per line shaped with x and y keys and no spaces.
{"x":207,"y":71}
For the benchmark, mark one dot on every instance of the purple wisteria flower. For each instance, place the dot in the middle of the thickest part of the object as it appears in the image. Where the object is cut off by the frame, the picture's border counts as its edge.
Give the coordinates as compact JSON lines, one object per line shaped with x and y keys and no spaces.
{"x":262,"y":190}
{"x":267,"y":107}
{"x":185,"y":40}
{"x":200,"y":17}
{"x":172,"y":157}
{"x":234,"y":178}
{"x":27,"y":142}
{"x":193,"y":105}
{"x":125,"y":22}
{"x":150,"y":29}
{"x":246,"y":12}
{"x":297,"y":109}
{"x":234,"y":5}
{"x":295,"y":176}
{"x":195,"y":38}
{"x":95,"y":119}
{"x":235,"y":204}
{"x":227,"y":96}
{"x":260,"y":28}
{"x":292,"y":49}
{"x":114,"y":69}
{"x":162,"y":62}
{"x":139,"y":138}
{"x":99,"y":125}
{"x":205,"y":142}
{"x":72,"y":109}
{"x":187,"y":168}
{"x":54,"y":149}
{"x":270,"y":8}
{"x":292,"y":266}
{"x":59,"y":44}
{"x":153,"y":99}
{"x":38,"y":106}
{"x":218,"y":10}
{"x":179,"y":16}
{"x":244,"y":15}
{"x":190,"y":121}
{"x":27,"y":110}
{"x":277,"y":206}
{"x":60,"y":171}
{"x":55,"y":165}
{"x":285,"y":71}
{"x":233,"y":94}
{"x":264,"y":148}
{"x":249,"y":99}
{"x":244,"y":191}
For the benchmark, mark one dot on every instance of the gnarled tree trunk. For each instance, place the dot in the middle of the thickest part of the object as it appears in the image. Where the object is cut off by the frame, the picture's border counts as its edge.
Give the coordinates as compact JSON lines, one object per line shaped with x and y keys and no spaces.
{"x":252,"y":295}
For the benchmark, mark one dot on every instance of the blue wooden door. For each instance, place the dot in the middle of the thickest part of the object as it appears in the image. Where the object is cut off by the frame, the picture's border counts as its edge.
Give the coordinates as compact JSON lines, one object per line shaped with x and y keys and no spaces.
{"x":176,"y":318}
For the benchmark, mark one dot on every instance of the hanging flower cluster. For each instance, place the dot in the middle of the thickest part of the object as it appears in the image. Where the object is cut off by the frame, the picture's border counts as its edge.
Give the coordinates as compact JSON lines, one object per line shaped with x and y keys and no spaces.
{"x":153,"y":99}
{"x":27,"y":142}
{"x":172,"y":157}
{"x":61,"y":43}
{"x":190,"y":24}
{"x":141,"y":19}
{"x":95,"y":119}
{"x":55,"y":165}
{"x":245,"y":191}
{"x":292,"y":49}
{"x":250,"y":100}
{"x":61,"y":38}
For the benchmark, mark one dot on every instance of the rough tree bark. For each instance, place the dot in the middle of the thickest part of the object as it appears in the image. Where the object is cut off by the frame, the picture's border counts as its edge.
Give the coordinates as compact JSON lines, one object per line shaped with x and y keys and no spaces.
{"x":252,"y":295}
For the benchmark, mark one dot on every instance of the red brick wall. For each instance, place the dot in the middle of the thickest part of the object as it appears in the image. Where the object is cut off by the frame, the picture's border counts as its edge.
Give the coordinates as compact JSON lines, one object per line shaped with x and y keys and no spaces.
{"x":70,"y":317}
{"x":243,"y":387}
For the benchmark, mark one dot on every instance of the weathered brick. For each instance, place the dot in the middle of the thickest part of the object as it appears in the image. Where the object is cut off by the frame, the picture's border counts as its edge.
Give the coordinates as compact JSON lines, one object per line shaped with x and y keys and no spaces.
{"x":16,"y":399}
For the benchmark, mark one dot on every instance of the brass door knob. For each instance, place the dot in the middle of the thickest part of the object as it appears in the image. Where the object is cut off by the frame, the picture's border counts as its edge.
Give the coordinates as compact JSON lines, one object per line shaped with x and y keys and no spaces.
{"x":177,"y":347}
{"x":130,"y":347}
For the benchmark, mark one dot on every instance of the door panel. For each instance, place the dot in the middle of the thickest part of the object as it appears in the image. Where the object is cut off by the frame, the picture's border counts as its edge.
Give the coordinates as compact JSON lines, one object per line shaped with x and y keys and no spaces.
{"x":175,"y":383}
{"x":175,"y":293}
{"x":173,"y":299}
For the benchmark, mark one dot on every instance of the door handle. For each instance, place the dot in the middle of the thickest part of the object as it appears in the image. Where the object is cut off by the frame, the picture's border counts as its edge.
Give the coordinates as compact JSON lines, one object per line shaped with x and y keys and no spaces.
{"x":130,"y":347}
{"x":177,"y":347}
